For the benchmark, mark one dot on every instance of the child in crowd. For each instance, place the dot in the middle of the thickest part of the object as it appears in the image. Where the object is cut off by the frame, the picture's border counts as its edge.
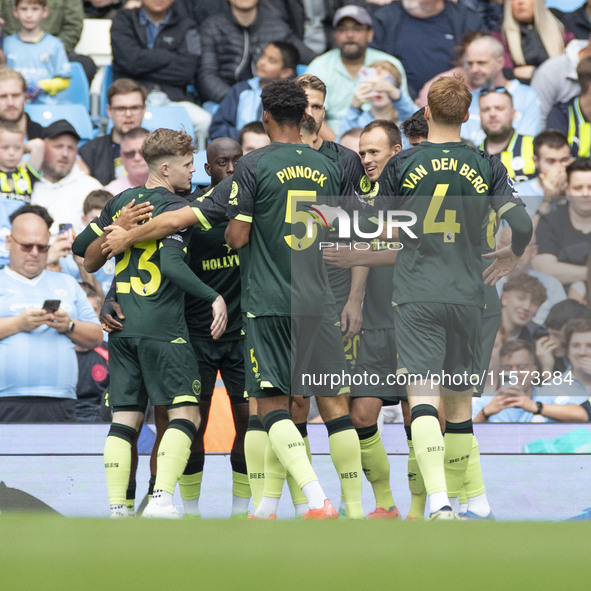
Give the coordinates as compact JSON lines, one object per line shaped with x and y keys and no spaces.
{"x":40,"y":57}
{"x":16,"y":177}
{"x":378,"y":96}
{"x":242,"y":104}
{"x":61,"y":250}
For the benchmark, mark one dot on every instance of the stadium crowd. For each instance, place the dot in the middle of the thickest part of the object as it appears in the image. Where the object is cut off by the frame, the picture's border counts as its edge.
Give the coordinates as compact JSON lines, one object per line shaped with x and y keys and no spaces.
{"x":233,"y":74}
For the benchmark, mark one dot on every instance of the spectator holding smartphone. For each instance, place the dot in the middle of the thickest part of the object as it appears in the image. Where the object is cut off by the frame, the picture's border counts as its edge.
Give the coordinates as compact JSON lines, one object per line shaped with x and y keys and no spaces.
{"x":378,"y":96}
{"x":38,"y":366}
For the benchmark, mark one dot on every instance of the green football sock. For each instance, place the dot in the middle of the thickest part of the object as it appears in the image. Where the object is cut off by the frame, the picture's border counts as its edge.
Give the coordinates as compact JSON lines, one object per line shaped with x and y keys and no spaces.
{"x":428,"y":446}
{"x":289,"y":446}
{"x":117,"y":457}
{"x":298,"y":498}
{"x":346,"y":457}
{"x":173,"y":454}
{"x":376,"y":466}
{"x":458,"y":444}
{"x":255,"y":443}
{"x":416,"y":485}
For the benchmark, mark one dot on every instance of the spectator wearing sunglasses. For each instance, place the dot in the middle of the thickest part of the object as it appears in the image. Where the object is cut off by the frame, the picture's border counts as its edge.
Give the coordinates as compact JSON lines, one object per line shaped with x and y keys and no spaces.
{"x":132,"y":161}
{"x":43,"y":317}
{"x":483,"y":64}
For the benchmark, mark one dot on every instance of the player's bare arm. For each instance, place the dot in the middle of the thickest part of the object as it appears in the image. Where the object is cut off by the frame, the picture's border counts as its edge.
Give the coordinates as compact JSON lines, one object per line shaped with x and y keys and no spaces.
{"x":506,"y":258}
{"x":352,"y":315}
{"x":130,"y":216}
{"x":342,"y":255}
{"x":237,"y":233}
{"x":165,"y":224}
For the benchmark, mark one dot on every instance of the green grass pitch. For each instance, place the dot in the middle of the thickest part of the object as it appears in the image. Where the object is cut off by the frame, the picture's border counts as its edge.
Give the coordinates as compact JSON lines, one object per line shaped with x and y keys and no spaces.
{"x":46,"y":553}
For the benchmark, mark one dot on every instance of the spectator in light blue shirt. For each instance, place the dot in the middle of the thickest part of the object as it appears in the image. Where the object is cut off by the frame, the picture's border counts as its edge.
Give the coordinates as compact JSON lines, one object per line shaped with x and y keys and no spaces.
{"x":40,"y":57}
{"x":43,"y":316}
{"x":340,"y":68}
{"x":518,"y":400}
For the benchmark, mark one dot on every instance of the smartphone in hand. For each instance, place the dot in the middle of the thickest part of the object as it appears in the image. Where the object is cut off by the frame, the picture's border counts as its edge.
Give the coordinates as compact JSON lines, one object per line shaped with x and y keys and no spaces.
{"x":51,"y":306}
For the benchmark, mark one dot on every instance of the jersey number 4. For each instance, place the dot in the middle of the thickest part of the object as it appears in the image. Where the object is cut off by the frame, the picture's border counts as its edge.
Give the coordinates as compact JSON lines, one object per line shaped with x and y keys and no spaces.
{"x":448,"y":227}
{"x":144,"y":264}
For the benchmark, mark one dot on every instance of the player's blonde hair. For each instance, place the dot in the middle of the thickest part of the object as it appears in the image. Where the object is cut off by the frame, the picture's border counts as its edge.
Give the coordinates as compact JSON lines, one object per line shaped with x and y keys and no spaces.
{"x":449,"y":99}
{"x":166,"y":143}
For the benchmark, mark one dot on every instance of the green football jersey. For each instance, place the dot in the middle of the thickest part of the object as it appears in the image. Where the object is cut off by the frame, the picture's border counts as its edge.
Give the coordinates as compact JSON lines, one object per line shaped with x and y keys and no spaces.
{"x":217,"y":265}
{"x":354,"y":188}
{"x":450,"y":188}
{"x":153,"y":307}
{"x":377,"y":302}
{"x":272,"y":189}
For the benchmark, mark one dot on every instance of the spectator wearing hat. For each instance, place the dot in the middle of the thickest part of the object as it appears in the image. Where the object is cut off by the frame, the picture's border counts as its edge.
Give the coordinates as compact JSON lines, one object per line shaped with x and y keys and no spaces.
{"x":63,"y":186}
{"x":343,"y":68}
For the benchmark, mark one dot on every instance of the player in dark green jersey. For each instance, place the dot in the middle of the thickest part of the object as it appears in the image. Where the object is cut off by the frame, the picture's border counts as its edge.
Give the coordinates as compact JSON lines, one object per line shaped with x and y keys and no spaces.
{"x":374,"y":153}
{"x":289,"y":296}
{"x":151,"y":357}
{"x":217,"y":265}
{"x":347,"y":285}
{"x":343,"y":440}
{"x":438,"y":290}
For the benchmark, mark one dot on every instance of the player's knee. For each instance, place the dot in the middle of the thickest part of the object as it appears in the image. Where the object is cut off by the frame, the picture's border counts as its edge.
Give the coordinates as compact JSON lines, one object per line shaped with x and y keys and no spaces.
{"x":331,"y":407}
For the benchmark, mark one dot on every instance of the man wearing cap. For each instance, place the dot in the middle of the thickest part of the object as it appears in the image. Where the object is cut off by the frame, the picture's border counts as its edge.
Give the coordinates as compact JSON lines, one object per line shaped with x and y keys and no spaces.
{"x":341,"y":69}
{"x":63,"y":187}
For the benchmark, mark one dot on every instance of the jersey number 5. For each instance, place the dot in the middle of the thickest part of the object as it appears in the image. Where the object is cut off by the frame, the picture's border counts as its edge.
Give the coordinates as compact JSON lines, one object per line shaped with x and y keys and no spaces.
{"x":448,"y":227}
{"x":293,"y":216}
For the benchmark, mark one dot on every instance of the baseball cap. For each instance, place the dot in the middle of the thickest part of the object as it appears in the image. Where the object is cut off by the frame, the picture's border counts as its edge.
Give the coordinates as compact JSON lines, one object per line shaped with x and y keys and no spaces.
{"x":60,"y":127}
{"x":357,"y":13}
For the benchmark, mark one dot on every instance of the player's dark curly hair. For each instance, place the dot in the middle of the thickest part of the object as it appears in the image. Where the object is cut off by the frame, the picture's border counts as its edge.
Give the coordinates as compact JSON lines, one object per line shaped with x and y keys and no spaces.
{"x":416,"y":125}
{"x":285,"y":101}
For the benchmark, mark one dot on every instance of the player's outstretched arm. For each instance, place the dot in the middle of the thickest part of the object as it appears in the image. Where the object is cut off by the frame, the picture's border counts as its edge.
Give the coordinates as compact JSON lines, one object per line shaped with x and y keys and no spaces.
{"x":344,"y":255}
{"x":174,"y":268}
{"x":165,"y":224}
{"x":506,"y":258}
